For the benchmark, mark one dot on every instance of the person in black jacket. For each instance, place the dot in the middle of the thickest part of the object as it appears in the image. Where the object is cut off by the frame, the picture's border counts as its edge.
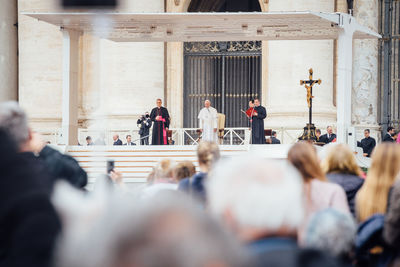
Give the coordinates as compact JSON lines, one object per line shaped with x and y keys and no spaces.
{"x":63,"y":166}
{"x":367,"y":144}
{"x":29,"y":224}
{"x":53,"y":164}
{"x":145,"y":124}
{"x":389,"y":135}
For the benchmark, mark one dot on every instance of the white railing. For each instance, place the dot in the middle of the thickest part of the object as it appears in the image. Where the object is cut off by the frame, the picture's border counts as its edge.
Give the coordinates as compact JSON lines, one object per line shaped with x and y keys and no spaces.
{"x":231,"y":136}
{"x":183,"y":136}
{"x":180,"y":136}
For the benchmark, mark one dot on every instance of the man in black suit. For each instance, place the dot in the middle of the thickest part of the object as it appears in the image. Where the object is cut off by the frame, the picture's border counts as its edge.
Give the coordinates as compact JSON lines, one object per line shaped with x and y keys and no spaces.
{"x":329,"y":136}
{"x":117,"y":141}
{"x":274,"y":140}
{"x":368,"y":143}
{"x":389,"y":135}
{"x":129,"y":141}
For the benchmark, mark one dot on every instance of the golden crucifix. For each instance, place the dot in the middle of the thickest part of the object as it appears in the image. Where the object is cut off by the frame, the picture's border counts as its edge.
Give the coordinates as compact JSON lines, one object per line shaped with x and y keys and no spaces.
{"x":309,"y":85}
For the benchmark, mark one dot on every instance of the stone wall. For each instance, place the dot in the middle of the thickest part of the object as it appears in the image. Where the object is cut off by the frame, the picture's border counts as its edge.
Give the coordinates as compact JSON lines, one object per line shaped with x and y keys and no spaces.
{"x":8,"y":50}
{"x":120,"y":81}
{"x":365,"y":71}
{"x":288,"y":63}
{"x":117,"y":81}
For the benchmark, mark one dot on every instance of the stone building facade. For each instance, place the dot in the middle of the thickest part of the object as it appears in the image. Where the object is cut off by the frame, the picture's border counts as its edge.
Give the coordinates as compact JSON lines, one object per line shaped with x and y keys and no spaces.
{"x":120,"y":81}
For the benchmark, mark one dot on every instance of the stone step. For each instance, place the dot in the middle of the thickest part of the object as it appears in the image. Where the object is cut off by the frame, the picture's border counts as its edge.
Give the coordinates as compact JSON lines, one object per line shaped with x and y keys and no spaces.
{"x":136,"y":163}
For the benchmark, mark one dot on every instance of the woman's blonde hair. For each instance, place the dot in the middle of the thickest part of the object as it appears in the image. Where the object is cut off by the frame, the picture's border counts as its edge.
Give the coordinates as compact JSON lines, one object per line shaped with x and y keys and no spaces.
{"x":340,"y":159}
{"x":304,"y":157}
{"x":164,"y":169}
{"x":184,"y":169}
{"x":208,"y":154}
{"x":373,"y":195}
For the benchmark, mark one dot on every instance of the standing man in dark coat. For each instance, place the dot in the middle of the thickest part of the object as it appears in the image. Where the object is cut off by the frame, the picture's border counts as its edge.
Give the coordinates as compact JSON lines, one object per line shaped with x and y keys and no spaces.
{"x":389,"y":135}
{"x":368,"y":143}
{"x":29,"y":224}
{"x":145,"y":124}
{"x":257,"y":123}
{"x":159,"y":115}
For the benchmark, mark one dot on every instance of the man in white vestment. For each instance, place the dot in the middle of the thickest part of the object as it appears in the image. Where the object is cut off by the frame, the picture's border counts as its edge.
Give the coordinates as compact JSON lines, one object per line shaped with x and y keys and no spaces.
{"x":208,"y":122}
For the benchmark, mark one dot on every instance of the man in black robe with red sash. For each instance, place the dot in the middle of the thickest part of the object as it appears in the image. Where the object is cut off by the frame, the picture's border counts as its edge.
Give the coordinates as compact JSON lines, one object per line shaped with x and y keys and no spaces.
{"x":257,"y":123}
{"x":159,"y":115}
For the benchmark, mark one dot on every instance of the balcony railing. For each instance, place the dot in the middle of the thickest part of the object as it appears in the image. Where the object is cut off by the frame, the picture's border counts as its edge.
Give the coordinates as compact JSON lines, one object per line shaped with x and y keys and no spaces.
{"x":180,"y":136}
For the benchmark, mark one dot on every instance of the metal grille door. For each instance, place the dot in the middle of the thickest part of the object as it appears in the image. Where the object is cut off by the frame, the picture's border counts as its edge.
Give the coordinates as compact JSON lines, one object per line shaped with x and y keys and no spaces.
{"x":226,"y":73}
{"x":389,"y":63}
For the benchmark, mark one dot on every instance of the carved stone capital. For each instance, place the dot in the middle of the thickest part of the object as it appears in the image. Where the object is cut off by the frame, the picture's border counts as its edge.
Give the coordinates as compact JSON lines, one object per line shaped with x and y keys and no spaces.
{"x":177,"y":2}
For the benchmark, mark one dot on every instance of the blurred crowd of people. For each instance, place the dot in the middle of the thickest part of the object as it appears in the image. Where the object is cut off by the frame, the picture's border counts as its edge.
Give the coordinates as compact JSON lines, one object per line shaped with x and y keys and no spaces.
{"x":317,"y":208}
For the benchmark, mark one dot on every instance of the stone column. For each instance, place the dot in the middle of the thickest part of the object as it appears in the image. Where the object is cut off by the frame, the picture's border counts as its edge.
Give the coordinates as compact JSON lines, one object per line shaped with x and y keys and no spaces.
{"x":288,"y":63}
{"x":365,"y":71}
{"x":70,"y":87}
{"x":264,"y":59}
{"x":345,"y":133}
{"x":174,"y":70}
{"x":175,"y":83}
{"x":8,"y":50}
{"x":341,"y":6}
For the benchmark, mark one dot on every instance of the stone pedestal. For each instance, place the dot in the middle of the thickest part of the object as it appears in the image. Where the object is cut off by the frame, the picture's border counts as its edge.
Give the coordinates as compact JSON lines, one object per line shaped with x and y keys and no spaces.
{"x":70,"y":87}
{"x":309,"y":133}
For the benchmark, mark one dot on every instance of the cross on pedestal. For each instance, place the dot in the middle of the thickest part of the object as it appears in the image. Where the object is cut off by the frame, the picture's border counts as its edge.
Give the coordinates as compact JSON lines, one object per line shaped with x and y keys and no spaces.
{"x":309,"y":85}
{"x":309,"y":130}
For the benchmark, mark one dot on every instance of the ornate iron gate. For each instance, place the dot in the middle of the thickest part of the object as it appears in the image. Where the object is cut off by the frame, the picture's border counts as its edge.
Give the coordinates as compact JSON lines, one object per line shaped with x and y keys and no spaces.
{"x":389,"y":63}
{"x":226,"y":73}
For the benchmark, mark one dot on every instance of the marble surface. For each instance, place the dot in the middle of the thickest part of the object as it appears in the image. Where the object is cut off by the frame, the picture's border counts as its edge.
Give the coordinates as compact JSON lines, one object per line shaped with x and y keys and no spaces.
{"x":8,"y":51}
{"x":365,"y":82}
{"x":288,"y":63}
{"x":365,"y":67}
{"x":117,"y":81}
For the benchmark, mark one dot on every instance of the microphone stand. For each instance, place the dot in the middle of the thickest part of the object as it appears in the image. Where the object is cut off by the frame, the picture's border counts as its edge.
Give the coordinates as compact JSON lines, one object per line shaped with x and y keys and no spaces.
{"x":251,"y":126}
{"x":140,"y":138}
{"x":251,"y":122}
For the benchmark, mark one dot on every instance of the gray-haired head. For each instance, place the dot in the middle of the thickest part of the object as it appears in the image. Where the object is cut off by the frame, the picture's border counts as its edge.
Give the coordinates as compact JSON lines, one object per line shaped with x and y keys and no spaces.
{"x":332,"y":231}
{"x":167,"y":231}
{"x":13,"y":119}
{"x":257,"y":193}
